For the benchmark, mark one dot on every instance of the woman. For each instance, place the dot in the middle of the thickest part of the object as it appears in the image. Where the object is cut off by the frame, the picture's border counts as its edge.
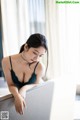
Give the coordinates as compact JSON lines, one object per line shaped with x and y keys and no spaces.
{"x":24,"y":70}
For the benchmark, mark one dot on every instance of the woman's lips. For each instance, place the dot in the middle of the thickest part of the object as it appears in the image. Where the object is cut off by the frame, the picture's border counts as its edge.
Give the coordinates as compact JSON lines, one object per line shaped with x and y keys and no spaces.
{"x":33,"y":60}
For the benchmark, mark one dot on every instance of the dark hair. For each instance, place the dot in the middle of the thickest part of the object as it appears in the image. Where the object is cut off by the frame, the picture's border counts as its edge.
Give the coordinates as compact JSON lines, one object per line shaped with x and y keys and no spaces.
{"x":36,"y":40}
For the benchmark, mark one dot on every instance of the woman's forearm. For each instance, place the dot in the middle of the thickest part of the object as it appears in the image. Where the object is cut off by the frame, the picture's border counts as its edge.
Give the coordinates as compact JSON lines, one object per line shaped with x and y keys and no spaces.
{"x":14,"y":91}
{"x":25,"y":88}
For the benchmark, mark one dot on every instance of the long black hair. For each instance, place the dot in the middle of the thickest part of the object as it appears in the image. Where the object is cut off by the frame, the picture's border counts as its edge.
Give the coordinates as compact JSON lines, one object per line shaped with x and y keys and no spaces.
{"x":36,"y":40}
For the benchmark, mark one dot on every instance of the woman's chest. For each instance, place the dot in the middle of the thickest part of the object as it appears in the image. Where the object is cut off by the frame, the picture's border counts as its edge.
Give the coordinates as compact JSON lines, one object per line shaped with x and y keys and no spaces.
{"x":23,"y":73}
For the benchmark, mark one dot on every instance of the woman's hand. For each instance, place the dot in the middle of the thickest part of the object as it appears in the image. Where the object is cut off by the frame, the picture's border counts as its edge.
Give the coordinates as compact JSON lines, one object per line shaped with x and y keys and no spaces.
{"x":19,"y":104}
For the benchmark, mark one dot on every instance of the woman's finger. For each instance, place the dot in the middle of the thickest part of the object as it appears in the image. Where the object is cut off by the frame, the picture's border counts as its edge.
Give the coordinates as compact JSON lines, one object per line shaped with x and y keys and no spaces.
{"x":24,"y":103}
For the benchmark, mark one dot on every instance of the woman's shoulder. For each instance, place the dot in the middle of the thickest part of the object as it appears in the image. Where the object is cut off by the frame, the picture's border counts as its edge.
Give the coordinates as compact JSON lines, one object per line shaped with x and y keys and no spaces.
{"x":41,"y":65}
{"x":40,"y":69}
{"x":5,"y":62}
{"x":5,"y":59}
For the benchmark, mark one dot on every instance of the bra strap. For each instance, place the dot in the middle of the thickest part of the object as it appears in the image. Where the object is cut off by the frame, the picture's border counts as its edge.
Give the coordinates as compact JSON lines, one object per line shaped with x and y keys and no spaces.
{"x":36,"y":66}
{"x":10,"y":61}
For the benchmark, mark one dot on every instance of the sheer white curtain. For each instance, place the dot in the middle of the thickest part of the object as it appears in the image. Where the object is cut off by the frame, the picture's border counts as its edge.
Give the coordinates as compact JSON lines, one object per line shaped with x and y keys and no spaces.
{"x":52,"y":36}
{"x":15,"y":24}
{"x":63,"y":32}
{"x":9,"y":23}
{"x":37,"y":16}
{"x":22,"y":21}
{"x":20,"y":18}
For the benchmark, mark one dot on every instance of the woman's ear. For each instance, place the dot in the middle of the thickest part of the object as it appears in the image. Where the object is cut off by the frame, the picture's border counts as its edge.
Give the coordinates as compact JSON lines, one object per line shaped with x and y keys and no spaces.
{"x":26,"y":47}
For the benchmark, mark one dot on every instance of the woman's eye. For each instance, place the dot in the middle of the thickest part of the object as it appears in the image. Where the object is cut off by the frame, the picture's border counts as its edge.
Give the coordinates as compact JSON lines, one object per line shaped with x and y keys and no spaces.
{"x":35,"y":53}
{"x":40,"y":56}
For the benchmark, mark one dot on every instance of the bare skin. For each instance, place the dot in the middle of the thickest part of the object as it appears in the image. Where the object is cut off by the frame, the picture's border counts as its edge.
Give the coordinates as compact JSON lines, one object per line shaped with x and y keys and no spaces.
{"x":20,"y":64}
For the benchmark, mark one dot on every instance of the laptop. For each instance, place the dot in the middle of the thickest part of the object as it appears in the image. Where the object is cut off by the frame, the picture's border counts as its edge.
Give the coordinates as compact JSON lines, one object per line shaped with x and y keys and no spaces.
{"x":38,"y":104}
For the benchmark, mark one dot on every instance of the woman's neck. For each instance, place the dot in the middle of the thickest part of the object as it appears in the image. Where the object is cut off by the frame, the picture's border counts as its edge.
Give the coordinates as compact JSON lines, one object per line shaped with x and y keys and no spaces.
{"x":23,"y":58}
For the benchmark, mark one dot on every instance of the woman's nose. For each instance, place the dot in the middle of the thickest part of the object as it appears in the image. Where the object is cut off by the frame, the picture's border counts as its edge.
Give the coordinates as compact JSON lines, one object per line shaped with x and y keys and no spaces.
{"x":36,"y":58}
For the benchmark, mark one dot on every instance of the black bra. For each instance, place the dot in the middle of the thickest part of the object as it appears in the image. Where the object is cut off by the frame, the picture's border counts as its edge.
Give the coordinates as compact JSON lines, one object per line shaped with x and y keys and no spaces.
{"x":16,"y":80}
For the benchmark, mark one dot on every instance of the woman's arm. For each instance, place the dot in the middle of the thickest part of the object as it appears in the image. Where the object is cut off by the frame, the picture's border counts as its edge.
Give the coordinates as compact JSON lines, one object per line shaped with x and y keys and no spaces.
{"x":19,"y":101}
{"x":6,"y":69}
{"x":23,"y":90}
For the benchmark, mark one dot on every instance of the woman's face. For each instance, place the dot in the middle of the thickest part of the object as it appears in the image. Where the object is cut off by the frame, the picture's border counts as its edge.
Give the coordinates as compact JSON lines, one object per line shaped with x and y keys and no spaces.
{"x":34,"y":54}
